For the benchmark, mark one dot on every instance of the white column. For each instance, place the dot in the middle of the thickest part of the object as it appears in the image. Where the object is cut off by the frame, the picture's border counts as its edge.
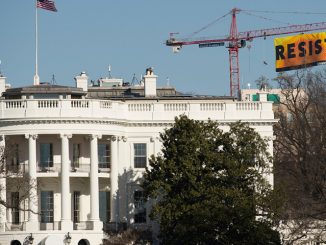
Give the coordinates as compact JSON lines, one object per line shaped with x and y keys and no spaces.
{"x":32,"y":223}
{"x":94,"y":188}
{"x":3,"y":209}
{"x":114,"y":179}
{"x":66,"y":222}
{"x":3,"y":197}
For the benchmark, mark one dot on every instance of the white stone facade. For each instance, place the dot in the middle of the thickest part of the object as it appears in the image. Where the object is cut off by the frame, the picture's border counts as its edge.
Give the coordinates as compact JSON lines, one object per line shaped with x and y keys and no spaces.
{"x":86,"y":156}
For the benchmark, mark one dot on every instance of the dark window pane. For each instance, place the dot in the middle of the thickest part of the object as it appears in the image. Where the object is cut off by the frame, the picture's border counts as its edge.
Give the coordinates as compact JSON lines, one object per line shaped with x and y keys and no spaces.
{"x":104,"y":207}
{"x":47,"y":207}
{"x":140,"y":209}
{"x":46,"y":155}
{"x":140,"y":217}
{"x":140,"y":155}
{"x":76,"y":205}
{"x":15,"y":207}
{"x":75,"y":155}
{"x":104,"y":155}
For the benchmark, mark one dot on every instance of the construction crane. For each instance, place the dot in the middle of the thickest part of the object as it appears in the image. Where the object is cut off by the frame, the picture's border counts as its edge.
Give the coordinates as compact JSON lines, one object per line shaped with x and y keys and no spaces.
{"x":236,"y":40}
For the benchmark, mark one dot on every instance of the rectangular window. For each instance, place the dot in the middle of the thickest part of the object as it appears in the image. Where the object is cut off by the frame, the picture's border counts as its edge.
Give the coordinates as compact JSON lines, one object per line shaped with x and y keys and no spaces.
{"x":76,"y":204}
{"x":140,"y":155}
{"x":46,"y":155}
{"x":104,"y":207}
{"x":15,"y":155}
{"x":15,"y":207}
{"x":103,"y":155}
{"x":47,"y":207}
{"x":140,"y":209}
{"x":75,"y":155}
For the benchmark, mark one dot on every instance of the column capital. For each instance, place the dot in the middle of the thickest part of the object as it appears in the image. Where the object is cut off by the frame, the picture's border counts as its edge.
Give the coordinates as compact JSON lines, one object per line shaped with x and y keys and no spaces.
{"x":33,"y":136}
{"x":153,"y":139}
{"x":97,"y":136}
{"x":118,"y":138}
{"x":66,"y":136}
{"x":122,"y":138}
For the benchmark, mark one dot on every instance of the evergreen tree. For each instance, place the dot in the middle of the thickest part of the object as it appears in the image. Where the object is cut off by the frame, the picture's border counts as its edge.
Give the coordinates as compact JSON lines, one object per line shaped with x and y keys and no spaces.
{"x":210,"y":185}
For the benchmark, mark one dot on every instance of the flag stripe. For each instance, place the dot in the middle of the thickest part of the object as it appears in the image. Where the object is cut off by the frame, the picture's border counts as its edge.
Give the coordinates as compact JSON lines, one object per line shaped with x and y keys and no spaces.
{"x":46,"y":4}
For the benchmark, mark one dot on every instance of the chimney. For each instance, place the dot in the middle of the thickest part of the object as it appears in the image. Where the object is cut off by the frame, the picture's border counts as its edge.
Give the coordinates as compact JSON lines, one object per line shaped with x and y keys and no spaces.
{"x":2,"y":84}
{"x":82,"y":81}
{"x":150,"y":83}
{"x":262,"y":95}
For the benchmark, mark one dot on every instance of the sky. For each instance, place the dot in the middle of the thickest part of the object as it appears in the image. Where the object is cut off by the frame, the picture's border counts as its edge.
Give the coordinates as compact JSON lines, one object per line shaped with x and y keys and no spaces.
{"x":129,"y":35}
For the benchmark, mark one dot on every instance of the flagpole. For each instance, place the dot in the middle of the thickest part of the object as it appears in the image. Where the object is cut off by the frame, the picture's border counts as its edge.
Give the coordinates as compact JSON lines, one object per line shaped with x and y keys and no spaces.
{"x":36,"y":77}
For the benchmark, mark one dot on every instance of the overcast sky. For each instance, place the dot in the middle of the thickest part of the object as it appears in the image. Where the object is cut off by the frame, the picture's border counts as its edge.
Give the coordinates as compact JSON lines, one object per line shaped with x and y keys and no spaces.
{"x":88,"y":35}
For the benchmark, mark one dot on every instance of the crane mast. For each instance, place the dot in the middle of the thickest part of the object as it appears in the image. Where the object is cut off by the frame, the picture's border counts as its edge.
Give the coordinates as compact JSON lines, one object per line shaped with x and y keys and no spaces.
{"x":234,"y":56}
{"x":236,"y":40}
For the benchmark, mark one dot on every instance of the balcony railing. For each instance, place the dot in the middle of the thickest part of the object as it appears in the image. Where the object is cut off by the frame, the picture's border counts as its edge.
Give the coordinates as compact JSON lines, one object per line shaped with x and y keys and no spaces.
{"x":47,"y":168}
{"x":134,"y":110}
{"x":14,"y":226}
{"x":115,"y":227}
{"x":85,"y":225}
{"x":50,"y":226}
{"x":54,"y":226}
{"x":17,"y":169}
{"x":56,"y":167}
{"x":83,"y":168}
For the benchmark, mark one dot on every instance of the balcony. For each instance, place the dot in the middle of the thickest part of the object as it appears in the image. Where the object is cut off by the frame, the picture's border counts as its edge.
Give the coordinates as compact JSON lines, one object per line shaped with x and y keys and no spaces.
{"x":14,"y":226}
{"x":51,"y":226}
{"x":80,"y":168}
{"x":54,"y":169}
{"x":135,"y":110}
{"x":17,"y":169}
{"x":86,"y":225}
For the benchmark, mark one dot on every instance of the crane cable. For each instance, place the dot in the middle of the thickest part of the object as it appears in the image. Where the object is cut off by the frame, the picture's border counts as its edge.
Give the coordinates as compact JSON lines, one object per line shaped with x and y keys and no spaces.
{"x":250,"y":12}
{"x":265,"y":18}
{"x":208,"y":25}
{"x":284,"y":12}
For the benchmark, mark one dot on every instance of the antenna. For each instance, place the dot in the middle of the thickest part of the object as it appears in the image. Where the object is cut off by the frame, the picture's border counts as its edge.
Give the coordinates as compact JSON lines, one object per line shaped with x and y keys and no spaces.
{"x":167,"y":81}
{"x":134,"y":80}
{"x":0,"y":69}
{"x":141,"y":82}
{"x":53,"y":81}
{"x":109,"y":68}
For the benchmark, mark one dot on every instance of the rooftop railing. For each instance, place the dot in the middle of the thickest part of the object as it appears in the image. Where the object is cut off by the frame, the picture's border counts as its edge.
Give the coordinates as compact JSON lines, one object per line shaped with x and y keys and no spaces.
{"x":134,"y":110}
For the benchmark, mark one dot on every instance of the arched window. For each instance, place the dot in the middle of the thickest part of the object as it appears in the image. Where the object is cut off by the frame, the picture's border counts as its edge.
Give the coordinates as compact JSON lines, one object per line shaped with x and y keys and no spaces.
{"x":15,"y":242}
{"x":83,"y":242}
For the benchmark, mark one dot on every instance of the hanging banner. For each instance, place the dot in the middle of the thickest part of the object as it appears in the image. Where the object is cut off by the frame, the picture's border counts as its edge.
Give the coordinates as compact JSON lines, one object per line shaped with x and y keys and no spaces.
{"x":295,"y":52}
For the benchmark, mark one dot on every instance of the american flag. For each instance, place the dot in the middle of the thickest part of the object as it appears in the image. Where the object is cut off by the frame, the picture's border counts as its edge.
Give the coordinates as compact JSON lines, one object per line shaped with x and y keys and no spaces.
{"x":46,"y":4}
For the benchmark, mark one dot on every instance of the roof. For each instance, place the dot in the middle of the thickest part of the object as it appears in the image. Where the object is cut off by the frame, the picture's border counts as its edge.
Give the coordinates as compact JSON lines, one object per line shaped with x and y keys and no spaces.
{"x":112,"y":93}
{"x":43,"y":89}
{"x":138,"y":93}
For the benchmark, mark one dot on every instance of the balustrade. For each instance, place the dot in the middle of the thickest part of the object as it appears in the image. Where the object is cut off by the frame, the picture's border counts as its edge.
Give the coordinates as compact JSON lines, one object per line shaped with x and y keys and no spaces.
{"x":14,"y":226}
{"x":50,"y":226}
{"x":80,"y":104}
{"x":175,"y":107}
{"x":15,"y":104}
{"x":48,"y":103}
{"x":106,"y":104}
{"x":247,"y":106}
{"x":85,"y":225}
{"x":149,"y":110}
{"x":211,"y":106}
{"x":139,"y":107}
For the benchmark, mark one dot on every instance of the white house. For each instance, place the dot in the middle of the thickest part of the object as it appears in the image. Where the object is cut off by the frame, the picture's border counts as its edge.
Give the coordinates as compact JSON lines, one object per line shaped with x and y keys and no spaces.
{"x":86,"y":146}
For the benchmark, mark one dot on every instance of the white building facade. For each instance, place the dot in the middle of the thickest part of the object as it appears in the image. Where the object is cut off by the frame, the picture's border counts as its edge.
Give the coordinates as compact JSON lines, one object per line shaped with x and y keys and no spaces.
{"x":85,"y":153}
